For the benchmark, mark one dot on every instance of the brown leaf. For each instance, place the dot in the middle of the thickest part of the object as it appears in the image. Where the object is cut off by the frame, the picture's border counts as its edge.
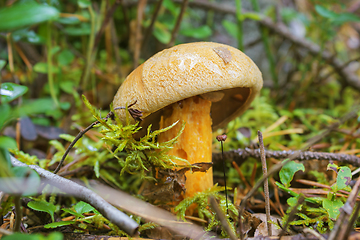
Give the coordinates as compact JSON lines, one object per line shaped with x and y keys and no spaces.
{"x":223,"y":53}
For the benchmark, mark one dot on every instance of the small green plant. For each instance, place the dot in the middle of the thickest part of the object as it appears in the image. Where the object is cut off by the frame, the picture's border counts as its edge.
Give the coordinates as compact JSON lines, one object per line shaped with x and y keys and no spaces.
{"x":323,"y":216}
{"x":200,"y":204}
{"x":43,"y":206}
{"x":23,"y":236}
{"x":141,"y":155}
{"x":78,"y":211}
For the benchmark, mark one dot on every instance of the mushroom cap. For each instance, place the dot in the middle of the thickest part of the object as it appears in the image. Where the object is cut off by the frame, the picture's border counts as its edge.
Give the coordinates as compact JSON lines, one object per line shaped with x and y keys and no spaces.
{"x":187,"y":70}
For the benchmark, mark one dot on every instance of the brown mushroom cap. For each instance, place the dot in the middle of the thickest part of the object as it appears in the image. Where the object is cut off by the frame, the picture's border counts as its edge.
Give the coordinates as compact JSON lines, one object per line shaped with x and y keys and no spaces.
{"x":188,"y":70}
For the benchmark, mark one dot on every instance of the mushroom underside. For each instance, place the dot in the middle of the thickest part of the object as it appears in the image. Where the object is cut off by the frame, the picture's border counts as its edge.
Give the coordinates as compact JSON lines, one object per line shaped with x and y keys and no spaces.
{"x":234,"y":101}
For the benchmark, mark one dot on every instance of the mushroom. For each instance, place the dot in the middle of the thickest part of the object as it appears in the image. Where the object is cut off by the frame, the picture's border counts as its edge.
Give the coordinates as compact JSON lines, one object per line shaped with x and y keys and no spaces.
{"x":203,"y":84}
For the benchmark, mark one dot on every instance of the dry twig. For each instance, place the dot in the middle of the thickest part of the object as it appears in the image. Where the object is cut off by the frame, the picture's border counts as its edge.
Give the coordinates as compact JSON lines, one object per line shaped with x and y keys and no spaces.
{"x":266,"y":184}
{"x":117,"y":217}
{"x":150,"y":27}
{"x":138,"y":33}
{"x":240,"y":155}
{"x":178,"y":21}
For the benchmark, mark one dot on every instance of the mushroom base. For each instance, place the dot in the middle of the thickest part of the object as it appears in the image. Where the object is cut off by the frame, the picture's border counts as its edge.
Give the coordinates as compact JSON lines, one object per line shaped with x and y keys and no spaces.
{"x":194,"y":144}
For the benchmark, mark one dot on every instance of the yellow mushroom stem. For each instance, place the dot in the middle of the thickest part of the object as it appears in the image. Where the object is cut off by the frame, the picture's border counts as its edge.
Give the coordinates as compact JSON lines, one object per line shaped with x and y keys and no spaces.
{"x":194,"y":144}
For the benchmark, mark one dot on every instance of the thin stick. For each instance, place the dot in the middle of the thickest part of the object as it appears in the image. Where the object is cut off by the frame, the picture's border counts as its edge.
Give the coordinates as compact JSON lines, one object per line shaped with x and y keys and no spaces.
{"x":153,"y":20}
{"x":90,"y":56}
{"x":266,"y":184}
{"x":353,"y":218}
{"x":178,"y":21}
{"x":80,"y":134}
{"x":240,"y":155}
{"x":265,"y":38}
{"x":138,"y":34}
{"x":224,"y":170}
{"x":239,"y":25}
{"x":108,"y":17}
{"x":222,"y":218}
{"x":117,"y":217}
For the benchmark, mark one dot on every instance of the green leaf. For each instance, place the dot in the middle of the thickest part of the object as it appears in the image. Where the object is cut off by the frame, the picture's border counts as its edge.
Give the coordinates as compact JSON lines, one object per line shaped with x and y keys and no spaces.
{"x":332,"y":166}
{"x":336,"y":18}
{"x":288,"y":171}
{"x":292,"y":201}
{"x":2,"y":64}
{"x":199,"y":33}
{"x":27,"y":35}
{"x":83,"y":207}
{"x":170,"y":5}
{"x":78,"y":215}
{"x":83,"y":29}
{"x":7,"y":142}
{"x":161,"y":33}
{"x":25,"y":14}
{"x":37,"y":106}
{"x":68,"y":86}
{"x":84,"y":3}
{"x":97,"y":169}
{"x":346,"y":17}
{"x":59,"y":224}
{"x":65,"y":105}
{"x":42,"y":67}
{"x":251,"y":15}
{"x":343,"y":179}
{"x":332,"y":207}
{"x":322,"y":11}
{"x":43,"y":207}
{"x":231,"y":28}
{"x":65,"y":57}
{"x":5,"y":114}
{"x":10,"y":91}
{"x":54,"y":50}
{"x":68,"y":20}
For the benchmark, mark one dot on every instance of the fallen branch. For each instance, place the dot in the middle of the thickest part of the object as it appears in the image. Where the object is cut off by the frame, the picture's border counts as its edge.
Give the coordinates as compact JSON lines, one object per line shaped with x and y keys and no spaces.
{"x":117,"y":217}
{"x":240,"y":155}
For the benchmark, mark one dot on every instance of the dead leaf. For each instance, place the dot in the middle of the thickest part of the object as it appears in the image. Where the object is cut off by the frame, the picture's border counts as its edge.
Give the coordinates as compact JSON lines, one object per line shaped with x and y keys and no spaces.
{"x":223,"y":53}
{"x":262,"y":228}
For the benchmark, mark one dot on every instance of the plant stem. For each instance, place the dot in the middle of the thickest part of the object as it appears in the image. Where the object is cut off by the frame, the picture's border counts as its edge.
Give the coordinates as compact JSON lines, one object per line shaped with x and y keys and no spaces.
{"x":49,"y":64}
{"x":89,"y":54}
{"x":151,"y":26}
{"x":269,"y":55}
{"x":224,"y":170}
{"x":178,"y":21}
{"x":18,"y":213}
{"x":239,"y":25}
